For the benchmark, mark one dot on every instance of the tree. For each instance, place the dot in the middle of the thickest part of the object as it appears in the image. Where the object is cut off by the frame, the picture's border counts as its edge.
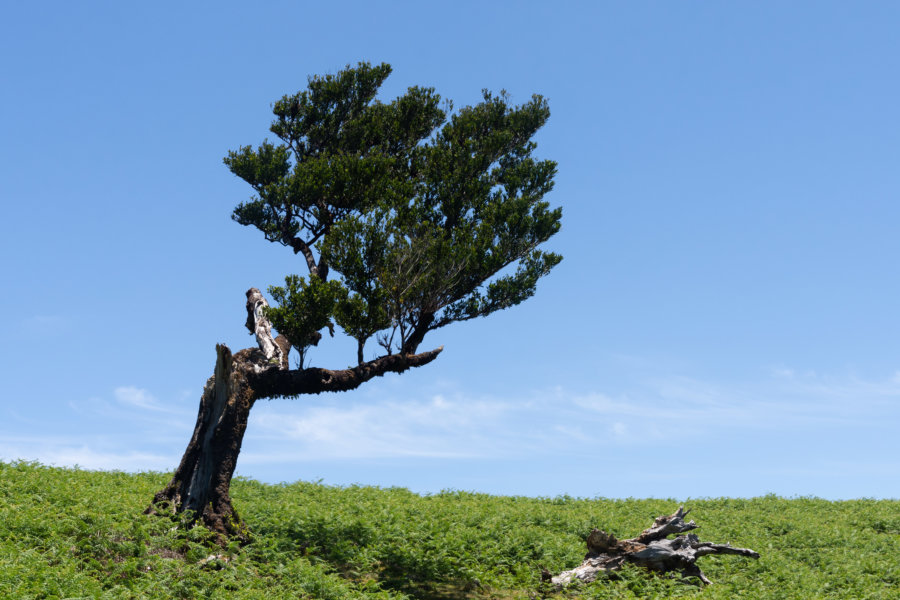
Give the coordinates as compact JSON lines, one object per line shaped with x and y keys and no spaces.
{"x":406,"y":220}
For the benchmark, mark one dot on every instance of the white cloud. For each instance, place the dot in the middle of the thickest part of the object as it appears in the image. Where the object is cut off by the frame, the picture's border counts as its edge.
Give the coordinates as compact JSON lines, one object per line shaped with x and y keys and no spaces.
{"x":137,"y":397}
{"x":69,"y":451}
{"x":447,"y":426}
{"x":133,"y":431}
{"x":783,"y":372}
{"x":663,"y":409}
{"x":601,"y":403}
{"x":572,"y":433}
{"x":793,"y":415}
{"x":811,"y":398}
{"x":560,"y":426}
{"x":436,"y":427}
{"x":87,"y":458}
{"x":132,"y":402}
{"x":672,"y":402}
{"x":691,"y":391}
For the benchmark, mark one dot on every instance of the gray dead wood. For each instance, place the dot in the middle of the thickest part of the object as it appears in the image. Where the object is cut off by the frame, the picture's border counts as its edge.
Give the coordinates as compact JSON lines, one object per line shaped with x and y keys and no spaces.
{"x":259,"y":324}
{"x":651,"y":549}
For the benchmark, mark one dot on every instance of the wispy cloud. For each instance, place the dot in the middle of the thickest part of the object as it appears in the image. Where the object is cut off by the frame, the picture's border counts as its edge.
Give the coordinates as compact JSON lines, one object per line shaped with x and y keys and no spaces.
{"x":436,"y":427}
{"x":139,"y":407}
{"x":128,"y":429}
{"x":558,"y":422}
{"x":137,"y":397}
{"x":792,"y":417}
{"x":805,"y":398}
{"x":69,"y":451}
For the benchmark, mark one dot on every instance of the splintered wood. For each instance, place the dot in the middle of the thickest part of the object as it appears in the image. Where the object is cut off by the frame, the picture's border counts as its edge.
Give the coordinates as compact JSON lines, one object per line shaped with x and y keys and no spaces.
{"x":651,"y":549}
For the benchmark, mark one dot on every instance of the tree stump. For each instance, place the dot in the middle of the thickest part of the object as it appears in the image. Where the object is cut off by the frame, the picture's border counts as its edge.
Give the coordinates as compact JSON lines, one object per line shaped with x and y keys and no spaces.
{"x":651,"y":549}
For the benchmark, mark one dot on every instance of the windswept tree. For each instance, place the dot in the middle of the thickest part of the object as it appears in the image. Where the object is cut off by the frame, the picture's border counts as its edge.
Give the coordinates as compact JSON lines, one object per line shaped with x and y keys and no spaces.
{"x":405,"y":219}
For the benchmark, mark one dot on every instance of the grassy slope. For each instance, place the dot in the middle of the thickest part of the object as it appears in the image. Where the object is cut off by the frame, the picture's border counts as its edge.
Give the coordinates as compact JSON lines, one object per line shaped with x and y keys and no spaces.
{"x":79,"y":534}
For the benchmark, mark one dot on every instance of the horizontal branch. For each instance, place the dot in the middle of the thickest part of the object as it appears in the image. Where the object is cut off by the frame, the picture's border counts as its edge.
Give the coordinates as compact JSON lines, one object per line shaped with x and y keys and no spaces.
{"x":274,"y":383}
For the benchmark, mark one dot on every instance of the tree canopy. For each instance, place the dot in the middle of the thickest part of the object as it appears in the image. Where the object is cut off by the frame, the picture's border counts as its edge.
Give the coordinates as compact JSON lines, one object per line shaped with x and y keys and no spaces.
{"x":409,"y":215}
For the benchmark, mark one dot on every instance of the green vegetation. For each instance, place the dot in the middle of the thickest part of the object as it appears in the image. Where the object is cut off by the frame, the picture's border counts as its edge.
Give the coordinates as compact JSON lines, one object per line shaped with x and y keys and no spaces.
{"x":68,"y":533}
{"x":428,"y":218}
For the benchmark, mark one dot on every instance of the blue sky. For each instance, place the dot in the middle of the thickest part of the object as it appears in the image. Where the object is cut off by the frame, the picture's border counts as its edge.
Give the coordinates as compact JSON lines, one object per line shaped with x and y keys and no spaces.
{"x":725,"y":321}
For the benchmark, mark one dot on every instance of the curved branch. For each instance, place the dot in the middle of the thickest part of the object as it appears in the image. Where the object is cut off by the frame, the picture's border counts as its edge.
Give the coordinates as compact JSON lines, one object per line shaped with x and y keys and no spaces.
{"x":281,"y":383}
{"x":423,"y":326}
{"x":301,"y":247}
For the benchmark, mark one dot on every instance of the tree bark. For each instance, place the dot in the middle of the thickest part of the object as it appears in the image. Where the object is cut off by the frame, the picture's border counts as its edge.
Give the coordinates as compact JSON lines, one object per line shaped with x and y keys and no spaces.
{"x":199,"y":488}
{"x":651,"y":549}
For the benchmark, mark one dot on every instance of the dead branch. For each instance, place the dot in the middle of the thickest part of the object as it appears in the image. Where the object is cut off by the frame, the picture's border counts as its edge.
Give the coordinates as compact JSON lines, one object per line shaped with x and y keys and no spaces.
{"x":651,"y":549}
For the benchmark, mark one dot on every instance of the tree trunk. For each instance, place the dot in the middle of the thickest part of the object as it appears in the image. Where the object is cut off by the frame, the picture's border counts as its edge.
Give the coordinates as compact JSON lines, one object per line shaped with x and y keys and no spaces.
{"x":201,"y":482}
{"x":651,"y":550}
{"x":199,"y":488}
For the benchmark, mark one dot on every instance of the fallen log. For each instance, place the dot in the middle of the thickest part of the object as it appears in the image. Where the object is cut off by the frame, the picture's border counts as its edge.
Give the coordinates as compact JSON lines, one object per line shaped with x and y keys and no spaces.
{"x":651,"y":549}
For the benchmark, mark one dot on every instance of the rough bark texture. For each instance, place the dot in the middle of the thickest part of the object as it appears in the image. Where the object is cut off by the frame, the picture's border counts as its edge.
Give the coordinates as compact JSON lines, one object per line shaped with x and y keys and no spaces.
{"x":201,"y":483}
{"x":314,"y":380}
{"x":651,"y":549}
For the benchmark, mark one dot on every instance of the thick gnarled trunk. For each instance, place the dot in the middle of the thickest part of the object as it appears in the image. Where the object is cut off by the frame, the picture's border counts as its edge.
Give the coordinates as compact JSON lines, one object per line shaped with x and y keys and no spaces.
{"x":200,"y":486}
{"x":201,"y":482}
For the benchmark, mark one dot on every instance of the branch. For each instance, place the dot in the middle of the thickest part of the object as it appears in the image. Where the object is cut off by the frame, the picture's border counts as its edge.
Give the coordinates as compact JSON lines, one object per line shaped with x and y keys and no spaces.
{"x":651,"y":549}
{"x":666,"y":525}
{"x":301,"y":247}
{"x":282,"y":383}
{"x":298,"y":245}
{"x":267,"y":367}
{"x":418,"y":333}
{"x":259,"y":324}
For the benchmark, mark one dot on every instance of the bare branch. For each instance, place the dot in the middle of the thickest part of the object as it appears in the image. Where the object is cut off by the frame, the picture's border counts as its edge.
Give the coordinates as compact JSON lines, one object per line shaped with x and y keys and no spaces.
{"x":651,"y":549}
{"x":667,"y":525}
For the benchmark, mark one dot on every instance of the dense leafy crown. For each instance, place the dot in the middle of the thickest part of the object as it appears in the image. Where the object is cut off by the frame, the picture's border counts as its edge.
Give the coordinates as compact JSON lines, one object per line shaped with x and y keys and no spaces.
{"x":407,"y":220}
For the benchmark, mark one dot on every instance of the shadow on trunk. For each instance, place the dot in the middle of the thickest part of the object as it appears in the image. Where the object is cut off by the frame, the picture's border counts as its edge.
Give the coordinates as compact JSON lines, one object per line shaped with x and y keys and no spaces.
{"x":199,"y":488}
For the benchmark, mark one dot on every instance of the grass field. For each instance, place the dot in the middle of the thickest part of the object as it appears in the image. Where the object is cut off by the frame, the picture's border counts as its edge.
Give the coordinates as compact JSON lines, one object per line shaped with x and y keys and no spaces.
{"x":67,"y":533}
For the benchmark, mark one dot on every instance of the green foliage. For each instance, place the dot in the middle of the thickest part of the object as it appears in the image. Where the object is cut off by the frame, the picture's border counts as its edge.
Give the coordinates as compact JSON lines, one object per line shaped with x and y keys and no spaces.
{"x":425,"y":220}
{"x":304,"y":307}
{"x":78,"y":534}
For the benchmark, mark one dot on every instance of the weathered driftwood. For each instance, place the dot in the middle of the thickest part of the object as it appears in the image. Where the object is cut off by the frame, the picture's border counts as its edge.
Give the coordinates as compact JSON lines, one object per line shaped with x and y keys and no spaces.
{"x":651,"y":549}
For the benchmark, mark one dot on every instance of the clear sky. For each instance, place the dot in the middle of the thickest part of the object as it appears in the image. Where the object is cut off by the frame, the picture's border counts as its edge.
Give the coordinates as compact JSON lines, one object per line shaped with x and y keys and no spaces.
{"x":726,"y":321}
